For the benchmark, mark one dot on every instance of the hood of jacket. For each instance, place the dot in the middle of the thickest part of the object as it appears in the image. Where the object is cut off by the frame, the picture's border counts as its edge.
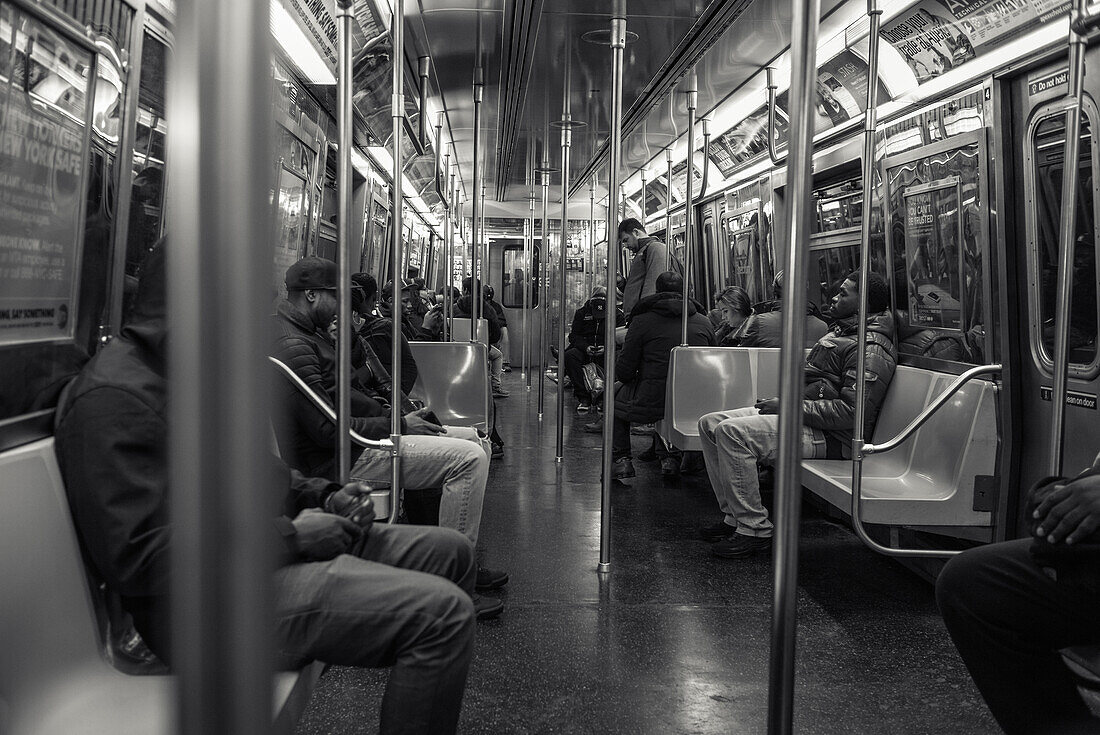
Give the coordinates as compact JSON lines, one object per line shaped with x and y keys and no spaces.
{"x":665,"y":303}
{"x":881,"y":323}
{"x":147,"y":326}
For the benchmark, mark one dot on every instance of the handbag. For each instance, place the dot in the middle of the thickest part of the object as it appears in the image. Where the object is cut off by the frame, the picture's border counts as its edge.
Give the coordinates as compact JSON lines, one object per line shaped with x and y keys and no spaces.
{"x":593,"y":379}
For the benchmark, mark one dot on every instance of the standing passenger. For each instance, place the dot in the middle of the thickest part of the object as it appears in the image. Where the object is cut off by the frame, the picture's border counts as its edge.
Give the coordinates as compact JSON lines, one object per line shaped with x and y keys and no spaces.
{"x":651,"y":259}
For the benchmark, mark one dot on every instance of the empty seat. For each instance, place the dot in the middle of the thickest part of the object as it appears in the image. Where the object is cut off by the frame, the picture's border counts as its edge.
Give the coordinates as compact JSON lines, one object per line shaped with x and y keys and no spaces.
{"x":461,"y":330}
{"x":706,"y":379}
{"x":52,"y":676}
{"x":453,"y":380}
{"x":929,"y":479}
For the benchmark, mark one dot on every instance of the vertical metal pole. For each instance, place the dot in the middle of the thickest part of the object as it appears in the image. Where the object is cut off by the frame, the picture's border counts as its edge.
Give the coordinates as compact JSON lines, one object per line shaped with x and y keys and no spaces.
{"x":528,"y":249}
{"x":618,"y":43}
{"x":566,"y":141}
{"x":475,"y":289}
{"x":1067,"y":239}
{"x":689,"y":215}
{"x":448,"y":246}
{"x":344,"y":18}
{"x":544,"y":291}
{"x":590,"y":267}
{"x":397,"y":110}
{"x":788,"y":494}
{"x":220,"y":97}
{"x":424,"y":66}
{"x":668,"y":208}
{"x":485,"y":276}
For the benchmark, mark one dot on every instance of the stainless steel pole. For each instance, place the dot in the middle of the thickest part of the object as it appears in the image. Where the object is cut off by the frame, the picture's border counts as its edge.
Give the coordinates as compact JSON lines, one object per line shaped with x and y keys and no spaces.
{"x":344,"y":19}
{"x":590,"y":265}
{"x":566,"y":141}
{"x":397,"y":110}
{"x":544,"y":290}
{"x":1067,"y":238}
{"x":528,"y":248}
{"x":668,"y":208}
{"x":618,"y":43}
{"x":219,"y":469}
{"x":475,"y":252}
{"x":689,"y":215}
{"x":788,"y":495}
{"x":448,"y":249}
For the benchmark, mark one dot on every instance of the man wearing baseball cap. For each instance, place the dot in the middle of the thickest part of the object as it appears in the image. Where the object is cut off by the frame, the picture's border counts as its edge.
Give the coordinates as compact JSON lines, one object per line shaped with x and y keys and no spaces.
{"x":307,"y":437}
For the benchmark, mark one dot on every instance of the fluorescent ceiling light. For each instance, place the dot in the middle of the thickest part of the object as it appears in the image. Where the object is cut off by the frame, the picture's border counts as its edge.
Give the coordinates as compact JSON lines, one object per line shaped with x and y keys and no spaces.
{"x":298,"y":48}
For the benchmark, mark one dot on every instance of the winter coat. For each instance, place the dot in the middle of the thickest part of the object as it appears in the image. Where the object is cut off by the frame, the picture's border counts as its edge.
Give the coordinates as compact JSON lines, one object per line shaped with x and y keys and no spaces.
{"x":642,"y":368}
{"x":830,"y":392}
{"x":306,"y":436}
{"x":766,"y":330}
{"x":377,"y":332}
{"x":111,"y":444}
{"x":499,"y":310}
{"x":464,"y":309}
{"x":651,"y":260}
{"x":589,"y":321}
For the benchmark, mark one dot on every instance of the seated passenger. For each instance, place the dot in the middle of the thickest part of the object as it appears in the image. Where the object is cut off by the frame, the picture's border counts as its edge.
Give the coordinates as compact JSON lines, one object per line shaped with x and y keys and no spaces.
{"x":642,"y":366}
{"x":410,"y":302}
{"x":307,"y":437}
{"x":1010,"y":607}
{"x":765,"y":329}
{"x":586,"y":343}
{"x":505,"y":345}
{"x":735,"y":309}
{"x":464,"y":310}
{"x":346,"y":591}
{"x":377,"y":331}
{"x":735,"y":442}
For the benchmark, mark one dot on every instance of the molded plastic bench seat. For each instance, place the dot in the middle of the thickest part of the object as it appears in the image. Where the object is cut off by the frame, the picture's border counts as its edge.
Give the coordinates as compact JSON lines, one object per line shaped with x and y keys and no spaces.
{"x":52,"y":676}
{"x":453,"y":379}
{"x":706,"y":379}
{"x":461,"y":330}
{"x":929,"y":479}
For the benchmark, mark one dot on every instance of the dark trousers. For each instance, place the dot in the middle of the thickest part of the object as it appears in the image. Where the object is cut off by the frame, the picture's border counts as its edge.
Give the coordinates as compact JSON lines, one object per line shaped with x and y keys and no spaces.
{"x":575,"y":360}
{"x":1008,"y":618}
{"x":620,"y":439}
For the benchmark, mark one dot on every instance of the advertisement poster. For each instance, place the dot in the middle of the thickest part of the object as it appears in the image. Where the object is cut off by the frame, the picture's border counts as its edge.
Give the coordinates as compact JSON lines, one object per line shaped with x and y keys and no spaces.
{"x":935,"y":36}
{"x":933,"y":231}
{"x":42,"y":164}
{"x":746,"y":140}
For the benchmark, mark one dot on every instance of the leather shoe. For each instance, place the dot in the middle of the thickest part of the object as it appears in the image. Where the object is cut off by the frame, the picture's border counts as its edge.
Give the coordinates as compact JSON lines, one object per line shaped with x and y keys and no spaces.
{"x":738,"y":545}
{"x":487,"y":608}
{"x":716,"y":531}
{"x":670,"y":467}
{"x":490,"y":579}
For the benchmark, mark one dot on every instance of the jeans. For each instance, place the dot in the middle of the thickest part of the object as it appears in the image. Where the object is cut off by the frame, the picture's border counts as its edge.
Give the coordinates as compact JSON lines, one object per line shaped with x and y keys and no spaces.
{"x":457,"y":466}
{"x":620,"y":439}
{"x":400,"y":598}
{"x":1008,"y":618}
{"x":734,"y":442}
{"x":505,"y":346}
{"x":496,"y":367}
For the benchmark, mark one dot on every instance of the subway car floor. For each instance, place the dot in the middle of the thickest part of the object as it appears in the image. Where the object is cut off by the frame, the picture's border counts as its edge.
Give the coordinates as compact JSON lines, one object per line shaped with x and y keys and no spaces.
{"x":672,"y":640}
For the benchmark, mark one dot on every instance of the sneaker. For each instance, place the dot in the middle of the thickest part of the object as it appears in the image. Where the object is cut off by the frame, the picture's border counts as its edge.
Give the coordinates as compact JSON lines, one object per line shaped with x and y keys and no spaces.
{"x":642,"y":429}
{"x":622,"y":468}
{"x":507,"y":367}
{"x":596,"y":427}
{"x":647,"y":456}
{"x":738,"y":545}
{"x":496,"y":450}
{"x":490,"y":579}
{"x":487,"y":608}
{"x":670,"y":467}
{"x":716,"y":531}
{"x":500,"y":393}
{"x":583,"y":407}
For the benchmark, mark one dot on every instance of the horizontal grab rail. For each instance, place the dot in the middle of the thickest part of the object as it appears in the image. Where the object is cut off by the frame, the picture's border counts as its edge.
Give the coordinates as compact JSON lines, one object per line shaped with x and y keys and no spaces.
{"x":931,"y":409}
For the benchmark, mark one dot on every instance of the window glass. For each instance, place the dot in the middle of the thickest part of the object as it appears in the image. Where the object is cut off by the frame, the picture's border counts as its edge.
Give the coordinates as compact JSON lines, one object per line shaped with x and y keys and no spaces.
{"x":1048,"y":150}
{"x":515,"y":277}
{"x":292,"y":216}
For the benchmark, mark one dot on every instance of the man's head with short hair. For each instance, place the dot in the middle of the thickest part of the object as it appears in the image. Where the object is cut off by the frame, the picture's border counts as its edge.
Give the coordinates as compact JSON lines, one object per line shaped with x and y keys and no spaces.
{"x":670,"y":282}
{"x":370,"y":288}
{"x":846,"y":301}
{"x":311,"y":286}
{"x":630,"y":231}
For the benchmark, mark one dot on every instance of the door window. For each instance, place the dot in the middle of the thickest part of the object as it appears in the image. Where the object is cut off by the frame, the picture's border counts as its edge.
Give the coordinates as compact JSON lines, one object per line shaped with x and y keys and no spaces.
{"x":515,"y":277}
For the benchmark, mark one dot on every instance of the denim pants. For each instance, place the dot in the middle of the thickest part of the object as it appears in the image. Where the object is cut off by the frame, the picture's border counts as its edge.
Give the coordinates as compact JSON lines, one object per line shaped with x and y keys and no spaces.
{"x":505,"y":346}
{"x":458,"y":466}
{"x":400,"y":598}
{"x":1008,"y":619}
{"x":496,"y":366}
{"x":734,"y":443}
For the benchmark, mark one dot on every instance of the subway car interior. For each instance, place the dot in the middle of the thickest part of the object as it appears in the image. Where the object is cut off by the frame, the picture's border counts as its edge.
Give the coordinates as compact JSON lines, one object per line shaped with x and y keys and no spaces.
{"x":824,"y":466}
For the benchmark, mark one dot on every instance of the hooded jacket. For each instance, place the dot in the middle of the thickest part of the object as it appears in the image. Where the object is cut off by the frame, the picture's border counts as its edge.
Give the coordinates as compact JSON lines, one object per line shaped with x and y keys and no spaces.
{"x":830,"y":393}
{"x":111,"y":444}
{"x":587,"y":329}
{"x":766,"y":329}
{"x":377,"y":332}
{"x":642,"y":368}
{"x":464,"y":309}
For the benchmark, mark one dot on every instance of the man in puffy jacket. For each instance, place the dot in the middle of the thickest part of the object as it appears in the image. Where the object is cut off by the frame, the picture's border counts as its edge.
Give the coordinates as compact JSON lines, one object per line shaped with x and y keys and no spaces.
{"x":765,"y":327}
{"x":586,"y":341}
{"x":656,"y":326}
{"x":346,"y":591}
{"x":735,"y":442}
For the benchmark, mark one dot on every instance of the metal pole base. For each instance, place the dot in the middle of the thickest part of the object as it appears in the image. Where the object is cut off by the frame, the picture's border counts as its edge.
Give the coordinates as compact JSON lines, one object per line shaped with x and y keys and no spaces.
{"x":603,"y":567}
{"x":557,"y":459}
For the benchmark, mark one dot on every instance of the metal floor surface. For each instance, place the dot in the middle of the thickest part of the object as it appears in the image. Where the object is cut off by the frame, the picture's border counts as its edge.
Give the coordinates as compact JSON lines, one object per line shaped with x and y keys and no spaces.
{"x":672,"y":640}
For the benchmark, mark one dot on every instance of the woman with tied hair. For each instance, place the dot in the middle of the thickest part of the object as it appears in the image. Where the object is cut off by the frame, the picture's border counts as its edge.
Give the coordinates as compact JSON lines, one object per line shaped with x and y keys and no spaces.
{"x":736,"y":309}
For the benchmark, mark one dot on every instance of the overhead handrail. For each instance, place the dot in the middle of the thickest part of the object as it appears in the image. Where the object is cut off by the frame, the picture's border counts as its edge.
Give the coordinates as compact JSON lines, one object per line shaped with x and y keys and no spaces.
{"x":322,"y":405}
{"x":706,"y":161}
{"x":773,"y":148}
{"x":929,"y":410}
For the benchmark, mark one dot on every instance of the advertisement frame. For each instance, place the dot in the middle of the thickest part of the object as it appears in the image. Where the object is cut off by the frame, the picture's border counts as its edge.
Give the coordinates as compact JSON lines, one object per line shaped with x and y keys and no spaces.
{"x":953,"y":184}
